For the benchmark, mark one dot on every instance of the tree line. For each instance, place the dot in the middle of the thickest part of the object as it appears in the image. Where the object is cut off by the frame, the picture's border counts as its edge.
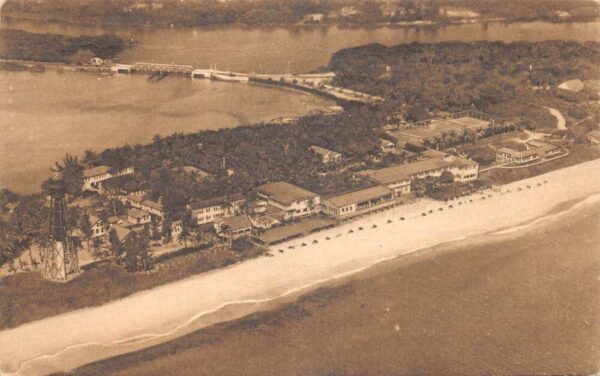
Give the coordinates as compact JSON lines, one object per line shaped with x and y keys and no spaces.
{"x":23,"y":45}
{"x":493,"y":77}
{"x":284,"y":12}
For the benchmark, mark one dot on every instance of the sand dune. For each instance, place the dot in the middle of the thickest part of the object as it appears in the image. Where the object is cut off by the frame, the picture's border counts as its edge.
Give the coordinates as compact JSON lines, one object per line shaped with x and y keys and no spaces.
{"x":69,"y":340}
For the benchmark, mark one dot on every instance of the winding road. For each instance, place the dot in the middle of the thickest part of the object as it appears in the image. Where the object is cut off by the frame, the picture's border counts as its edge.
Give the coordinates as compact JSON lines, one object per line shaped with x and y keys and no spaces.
{"x":561,"y":123}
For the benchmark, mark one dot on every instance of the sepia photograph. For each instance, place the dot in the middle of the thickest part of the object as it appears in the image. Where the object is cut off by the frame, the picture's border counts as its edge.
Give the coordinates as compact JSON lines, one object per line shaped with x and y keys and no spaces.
{"x":299,"y":187}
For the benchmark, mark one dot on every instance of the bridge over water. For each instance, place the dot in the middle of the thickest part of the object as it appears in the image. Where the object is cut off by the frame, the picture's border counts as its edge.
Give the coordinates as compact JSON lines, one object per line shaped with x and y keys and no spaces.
{"x":162,"y":68}
{"x":317,"y":83}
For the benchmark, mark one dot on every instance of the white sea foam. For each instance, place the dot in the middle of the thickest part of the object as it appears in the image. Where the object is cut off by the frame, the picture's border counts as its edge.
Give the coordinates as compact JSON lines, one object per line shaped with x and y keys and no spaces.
{"x":590,"y":200}
{"x":139,"y":339}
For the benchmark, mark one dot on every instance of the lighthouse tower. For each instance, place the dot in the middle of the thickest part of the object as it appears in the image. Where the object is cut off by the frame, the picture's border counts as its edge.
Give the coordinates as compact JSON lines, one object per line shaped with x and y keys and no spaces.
{"x":60,"y":256}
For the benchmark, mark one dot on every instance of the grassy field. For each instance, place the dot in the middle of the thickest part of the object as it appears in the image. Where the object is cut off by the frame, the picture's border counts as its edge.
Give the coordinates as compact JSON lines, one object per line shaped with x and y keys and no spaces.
{"x":27,"y":297}
{"x":512,"y":304}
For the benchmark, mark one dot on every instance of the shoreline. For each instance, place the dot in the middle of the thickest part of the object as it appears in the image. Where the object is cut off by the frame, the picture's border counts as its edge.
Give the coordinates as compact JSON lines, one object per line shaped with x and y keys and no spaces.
{"x":392,"y":305}
{"x":177,"y":306}
{"x":418,"y":23}
{"x":199,"y":111}
{"x":329,"y":93}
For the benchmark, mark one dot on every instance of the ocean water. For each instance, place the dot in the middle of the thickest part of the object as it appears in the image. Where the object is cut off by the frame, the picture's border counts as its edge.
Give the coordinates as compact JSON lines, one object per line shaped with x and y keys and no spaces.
{"x":511,"y":302}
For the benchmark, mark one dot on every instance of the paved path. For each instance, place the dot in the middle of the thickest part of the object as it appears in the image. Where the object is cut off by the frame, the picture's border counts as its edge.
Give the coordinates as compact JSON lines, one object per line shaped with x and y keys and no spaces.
{"x":561,"y":123}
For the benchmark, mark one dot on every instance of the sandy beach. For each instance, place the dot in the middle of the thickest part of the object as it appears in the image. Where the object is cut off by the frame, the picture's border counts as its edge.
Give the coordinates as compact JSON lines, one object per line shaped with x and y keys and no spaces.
{"x":67,"y":341}
{"x":522,"y":303}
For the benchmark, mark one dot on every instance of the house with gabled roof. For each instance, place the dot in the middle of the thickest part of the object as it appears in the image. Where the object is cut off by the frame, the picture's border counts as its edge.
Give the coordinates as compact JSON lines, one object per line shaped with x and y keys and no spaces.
{"x":215,"y":209}
{"x":362,"y":201}
{"x":575,"y":85}
{"x":99,"y":227}
{"x":291,"y":200}
{"x":94,"y":176}
{"x":138,"y":218}
{"x":153,"y":207}
{"x":234,"y":227}
{"x":399,"y":177}
{"x":535,"y":151}
{"x":122,"y":232}
{"x":327,"y":156}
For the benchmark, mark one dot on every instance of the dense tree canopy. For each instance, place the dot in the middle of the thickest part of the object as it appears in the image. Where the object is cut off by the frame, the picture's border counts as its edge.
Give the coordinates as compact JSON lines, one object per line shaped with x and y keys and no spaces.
{"x":261,"y":12}
{"x":23,"y":45}
{"x":240,"y":159}
{"x":454,"y":75}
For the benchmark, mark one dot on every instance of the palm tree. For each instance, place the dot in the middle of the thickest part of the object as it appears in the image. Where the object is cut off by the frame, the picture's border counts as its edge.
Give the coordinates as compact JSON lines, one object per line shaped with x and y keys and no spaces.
{"x":86,"y":228}
{"x":89,"y":156}
{"x":27,"y":224}
{"x":452,"y":137}
{"x":75,"y":242}
{"x":198,"y":235}
{"x":427,"y":143}
{"x":144,"y":260}
{"x":167,"y":231}
{"x":184,"y":235}
{"x":22,"y":238}
{"x":96,"y":248}
{"x":72,"y":172}
{"x":73,"y":217}
{"x":464,"y":135}
{"x":444,"y":139}
{"x":8,"y":246}
{"x":437,"y":140}
{"x":114,"y":244}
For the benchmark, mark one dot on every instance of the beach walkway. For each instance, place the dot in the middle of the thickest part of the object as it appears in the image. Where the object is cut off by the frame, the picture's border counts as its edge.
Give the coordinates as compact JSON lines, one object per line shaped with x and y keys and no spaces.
{"x":166,"y":312}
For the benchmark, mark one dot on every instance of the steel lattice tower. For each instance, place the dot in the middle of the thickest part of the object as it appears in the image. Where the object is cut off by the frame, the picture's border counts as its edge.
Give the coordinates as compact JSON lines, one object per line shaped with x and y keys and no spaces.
{"x":60,"y":256}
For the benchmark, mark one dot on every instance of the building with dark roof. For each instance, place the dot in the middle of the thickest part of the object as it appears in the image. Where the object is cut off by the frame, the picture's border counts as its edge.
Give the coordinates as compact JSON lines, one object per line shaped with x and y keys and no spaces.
{"x":292,"y":200}
{"x":358,"y":202}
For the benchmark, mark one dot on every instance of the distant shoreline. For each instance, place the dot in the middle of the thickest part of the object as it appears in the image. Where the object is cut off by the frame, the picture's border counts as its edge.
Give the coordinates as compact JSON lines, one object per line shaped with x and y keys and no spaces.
{"x":342,"y":25}
{"x":28,"y":182}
